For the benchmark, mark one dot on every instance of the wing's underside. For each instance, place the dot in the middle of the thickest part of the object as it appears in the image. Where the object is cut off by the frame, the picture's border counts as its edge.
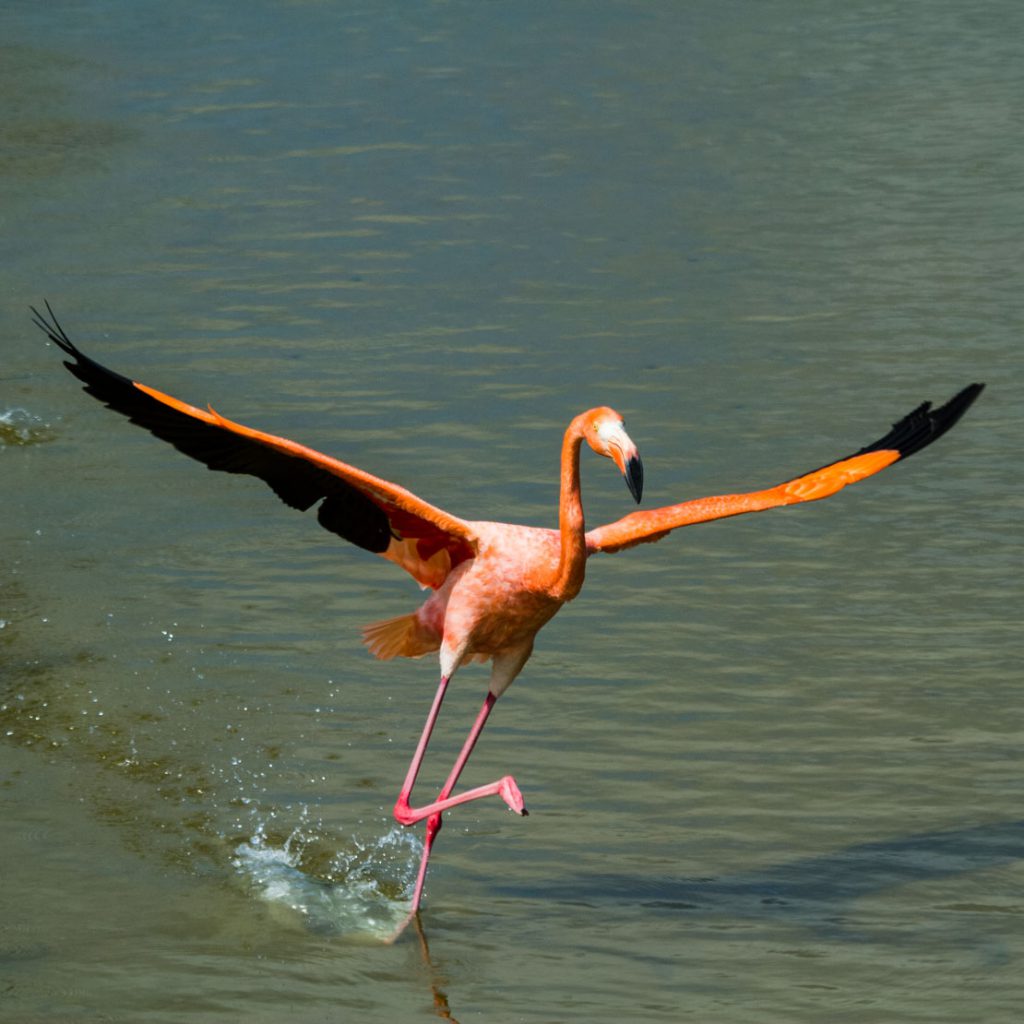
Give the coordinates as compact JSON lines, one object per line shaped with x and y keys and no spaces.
{"x":915,"y":431}
{"x":359,"y":507}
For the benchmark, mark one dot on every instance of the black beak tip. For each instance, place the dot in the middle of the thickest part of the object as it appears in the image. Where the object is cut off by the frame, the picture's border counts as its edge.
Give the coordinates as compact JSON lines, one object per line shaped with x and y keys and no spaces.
{"x":635,"y":477}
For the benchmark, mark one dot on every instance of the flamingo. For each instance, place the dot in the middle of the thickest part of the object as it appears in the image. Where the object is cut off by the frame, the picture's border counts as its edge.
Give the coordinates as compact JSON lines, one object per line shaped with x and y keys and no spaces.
{"x":493,"y":585}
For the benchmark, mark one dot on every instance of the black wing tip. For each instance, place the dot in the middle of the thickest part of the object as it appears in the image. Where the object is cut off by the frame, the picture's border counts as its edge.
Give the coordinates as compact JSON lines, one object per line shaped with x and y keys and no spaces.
{"x":937,"y":421}
{"x":345,"y":510}
{"x":52,"y":329}
{"x":98,"y":379}
{"x":966,"y":397}
{"x":923,"y":425}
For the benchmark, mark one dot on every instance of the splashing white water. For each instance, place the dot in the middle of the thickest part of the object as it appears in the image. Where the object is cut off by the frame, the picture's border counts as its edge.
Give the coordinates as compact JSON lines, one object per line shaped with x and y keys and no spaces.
{"x":20,"y":427}
{"x":353,"y":899}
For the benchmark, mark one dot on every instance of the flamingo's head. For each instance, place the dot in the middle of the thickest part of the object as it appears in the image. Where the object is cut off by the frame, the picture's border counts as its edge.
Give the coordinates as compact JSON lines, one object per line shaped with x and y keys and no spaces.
{"x":604,"y":432}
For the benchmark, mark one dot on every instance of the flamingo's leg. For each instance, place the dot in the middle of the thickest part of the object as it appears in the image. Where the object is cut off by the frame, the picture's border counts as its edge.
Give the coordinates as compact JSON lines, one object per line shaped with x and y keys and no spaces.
{"x":504,"y":787}
{"x":407,"y":815}
{"x":505,"y":668}
{"x":421,"y":748}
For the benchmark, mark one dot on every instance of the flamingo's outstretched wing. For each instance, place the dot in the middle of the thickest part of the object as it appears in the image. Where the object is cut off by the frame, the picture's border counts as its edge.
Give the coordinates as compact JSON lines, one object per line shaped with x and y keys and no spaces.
{"x":915,"y":431}
{"x":367,"y":511}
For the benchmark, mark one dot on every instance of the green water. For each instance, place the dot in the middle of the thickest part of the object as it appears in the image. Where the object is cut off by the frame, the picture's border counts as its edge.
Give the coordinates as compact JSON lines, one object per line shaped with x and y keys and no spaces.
{"x":773,"y":763}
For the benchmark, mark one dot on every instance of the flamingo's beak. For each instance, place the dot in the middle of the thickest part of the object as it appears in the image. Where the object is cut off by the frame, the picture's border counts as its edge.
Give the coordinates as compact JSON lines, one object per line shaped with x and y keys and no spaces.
{"x":615,"y":442}
{"x":634,"y":474}
{"x":627,"y":458}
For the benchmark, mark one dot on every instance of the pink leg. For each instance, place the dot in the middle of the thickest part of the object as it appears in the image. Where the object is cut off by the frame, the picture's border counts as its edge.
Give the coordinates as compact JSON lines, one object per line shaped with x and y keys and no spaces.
{"x":407,"y":815}
{"x":505,"y":787}
{"x":421,"y":748}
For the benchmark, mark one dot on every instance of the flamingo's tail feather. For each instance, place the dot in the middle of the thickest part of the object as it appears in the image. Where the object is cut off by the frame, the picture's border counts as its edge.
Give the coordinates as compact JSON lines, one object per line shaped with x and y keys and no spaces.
{"x":401,"y":637}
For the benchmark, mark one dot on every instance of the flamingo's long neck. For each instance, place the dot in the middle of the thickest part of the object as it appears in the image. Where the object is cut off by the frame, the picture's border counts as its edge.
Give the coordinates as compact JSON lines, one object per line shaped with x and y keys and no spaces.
{"x":572,"y":561}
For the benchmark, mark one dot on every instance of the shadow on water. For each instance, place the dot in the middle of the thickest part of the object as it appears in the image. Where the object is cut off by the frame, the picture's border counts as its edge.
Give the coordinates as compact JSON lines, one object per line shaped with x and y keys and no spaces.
{"x":815,"y":892}
{"x":440,"y":996}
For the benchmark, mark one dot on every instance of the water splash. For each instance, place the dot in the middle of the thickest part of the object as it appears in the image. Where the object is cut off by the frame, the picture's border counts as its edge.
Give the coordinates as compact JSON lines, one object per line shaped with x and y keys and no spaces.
{"x":366,"y":890}
{"x":20,"y":427}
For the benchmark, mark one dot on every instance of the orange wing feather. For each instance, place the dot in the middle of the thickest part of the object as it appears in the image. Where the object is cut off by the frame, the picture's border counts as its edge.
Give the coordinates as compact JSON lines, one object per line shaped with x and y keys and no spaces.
{"x":425,"y":540}
{"x":912,"y":433}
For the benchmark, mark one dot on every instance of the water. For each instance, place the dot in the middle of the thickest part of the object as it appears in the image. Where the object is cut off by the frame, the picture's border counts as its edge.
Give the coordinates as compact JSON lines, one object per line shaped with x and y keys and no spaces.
{"x":772,"y":763}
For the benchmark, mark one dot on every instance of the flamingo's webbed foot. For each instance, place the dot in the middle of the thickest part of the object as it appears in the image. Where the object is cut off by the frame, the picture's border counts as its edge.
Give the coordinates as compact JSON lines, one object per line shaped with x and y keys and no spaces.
{"x":509,"y":792}
{"x":505,"y":787}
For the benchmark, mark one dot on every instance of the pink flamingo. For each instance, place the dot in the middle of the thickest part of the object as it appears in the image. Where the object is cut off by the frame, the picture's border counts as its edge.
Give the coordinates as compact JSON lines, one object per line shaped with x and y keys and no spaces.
{"x":494,"y":584}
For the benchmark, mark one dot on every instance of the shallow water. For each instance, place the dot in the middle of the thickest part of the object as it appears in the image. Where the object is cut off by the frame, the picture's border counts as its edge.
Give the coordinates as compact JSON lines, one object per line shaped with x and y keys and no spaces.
{"x":772,"y":763}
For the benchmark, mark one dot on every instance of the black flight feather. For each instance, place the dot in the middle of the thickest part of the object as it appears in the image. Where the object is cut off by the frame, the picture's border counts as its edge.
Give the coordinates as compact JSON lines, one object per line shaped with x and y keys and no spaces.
{"x":299,"y":483}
